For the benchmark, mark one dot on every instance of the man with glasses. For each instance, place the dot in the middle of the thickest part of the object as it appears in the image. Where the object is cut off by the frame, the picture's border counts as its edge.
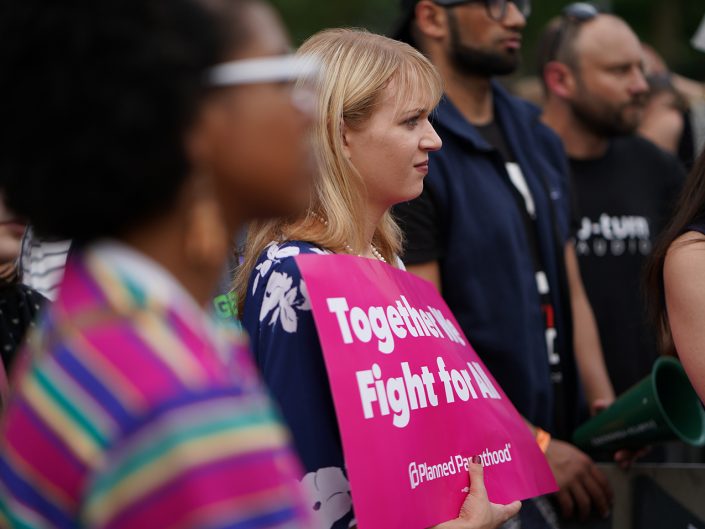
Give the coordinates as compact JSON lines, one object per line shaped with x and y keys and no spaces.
{"x":491,"y":231}
{"x":592,"y":71}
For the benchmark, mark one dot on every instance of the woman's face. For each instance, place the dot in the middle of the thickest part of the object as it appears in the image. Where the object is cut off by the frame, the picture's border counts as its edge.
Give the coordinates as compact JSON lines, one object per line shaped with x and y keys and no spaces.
{"x":390,"y":150}
{"x":257,"y":140}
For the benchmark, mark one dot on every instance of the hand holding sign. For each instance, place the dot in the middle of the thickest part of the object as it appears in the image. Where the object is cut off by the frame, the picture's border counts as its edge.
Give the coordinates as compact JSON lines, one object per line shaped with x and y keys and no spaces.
{"x":477,"y":512}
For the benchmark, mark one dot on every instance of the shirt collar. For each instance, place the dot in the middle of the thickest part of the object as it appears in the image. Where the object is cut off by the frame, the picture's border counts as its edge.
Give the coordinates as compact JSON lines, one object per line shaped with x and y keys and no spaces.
{"x":149,"y":284}
{"x":447,"y":116}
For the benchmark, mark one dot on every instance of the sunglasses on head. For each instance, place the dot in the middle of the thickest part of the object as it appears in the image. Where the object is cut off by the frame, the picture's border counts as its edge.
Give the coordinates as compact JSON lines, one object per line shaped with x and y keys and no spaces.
{"x":276,"y":69}
{"x":299,"y":72}
{"x":496,"y":9}
{"x":572,"y":15}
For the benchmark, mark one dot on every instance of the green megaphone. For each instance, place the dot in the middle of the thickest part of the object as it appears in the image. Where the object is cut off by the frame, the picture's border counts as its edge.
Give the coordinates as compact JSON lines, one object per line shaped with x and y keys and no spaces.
{"x":662,"y":407}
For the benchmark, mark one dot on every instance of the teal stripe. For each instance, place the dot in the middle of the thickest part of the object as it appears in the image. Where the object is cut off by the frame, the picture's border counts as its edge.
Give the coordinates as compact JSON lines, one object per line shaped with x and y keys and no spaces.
{"x":137,"y":293}
{"x":155,"y":446}
{"x":71,"y":411}
{"x":12,"y":517}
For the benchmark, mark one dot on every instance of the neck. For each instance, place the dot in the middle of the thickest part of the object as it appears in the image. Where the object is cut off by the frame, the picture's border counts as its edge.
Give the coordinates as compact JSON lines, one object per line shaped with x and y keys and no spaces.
{"x":164,"y":241}
{"x":471,"y":95}
{"x":373,"y":215}
{"x":579,"y":142}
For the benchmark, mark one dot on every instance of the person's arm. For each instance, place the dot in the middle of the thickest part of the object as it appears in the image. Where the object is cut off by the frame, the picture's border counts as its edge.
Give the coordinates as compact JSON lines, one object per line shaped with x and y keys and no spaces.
{"x":684,"y":285}
{"x":420,"y":221}
{"x":589,"y":354}
{"x":581,"y":484}
{"x":430,"y":271}
{"x":586,"y":339}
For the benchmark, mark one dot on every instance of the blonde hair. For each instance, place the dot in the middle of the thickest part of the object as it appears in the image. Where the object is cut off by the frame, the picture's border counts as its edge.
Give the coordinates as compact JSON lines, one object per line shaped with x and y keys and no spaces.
{"x":357,"y":67}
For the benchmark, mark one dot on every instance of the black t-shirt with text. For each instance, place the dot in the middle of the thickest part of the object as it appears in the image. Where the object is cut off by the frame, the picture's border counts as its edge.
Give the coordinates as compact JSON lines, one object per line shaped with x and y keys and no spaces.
{"x":622,"y":202}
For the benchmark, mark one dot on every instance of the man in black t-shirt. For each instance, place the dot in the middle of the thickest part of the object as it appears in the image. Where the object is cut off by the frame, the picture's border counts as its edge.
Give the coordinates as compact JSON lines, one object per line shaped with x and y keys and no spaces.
{"x":623,"y":185}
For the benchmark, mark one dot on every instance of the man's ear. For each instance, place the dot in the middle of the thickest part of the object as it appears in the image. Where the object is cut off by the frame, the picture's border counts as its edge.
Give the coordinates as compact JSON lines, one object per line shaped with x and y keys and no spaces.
{"x":431,"y":19}
{"x":559,"y":79}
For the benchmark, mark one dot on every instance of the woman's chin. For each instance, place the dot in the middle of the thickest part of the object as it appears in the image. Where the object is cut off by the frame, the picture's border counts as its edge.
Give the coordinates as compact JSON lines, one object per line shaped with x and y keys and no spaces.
{"x":412,"y":192}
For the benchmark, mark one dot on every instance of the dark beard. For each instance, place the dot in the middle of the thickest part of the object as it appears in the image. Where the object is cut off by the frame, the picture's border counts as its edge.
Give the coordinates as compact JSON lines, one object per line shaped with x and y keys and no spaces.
{"x":475,"y":61}
{"x":606,"y":123}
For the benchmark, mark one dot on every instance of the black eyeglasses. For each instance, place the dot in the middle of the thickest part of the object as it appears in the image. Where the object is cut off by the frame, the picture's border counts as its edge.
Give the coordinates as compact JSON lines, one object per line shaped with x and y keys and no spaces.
{"x":573,"y":14}
{"x":496,"y":9}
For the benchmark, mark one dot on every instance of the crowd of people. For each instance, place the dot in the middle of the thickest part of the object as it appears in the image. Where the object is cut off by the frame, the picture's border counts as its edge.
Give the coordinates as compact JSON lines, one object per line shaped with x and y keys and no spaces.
{"x":142,"y":138}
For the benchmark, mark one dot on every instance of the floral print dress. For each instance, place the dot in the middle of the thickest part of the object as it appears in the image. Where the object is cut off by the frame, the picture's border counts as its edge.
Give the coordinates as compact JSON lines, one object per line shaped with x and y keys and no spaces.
{"x":285,"y":343}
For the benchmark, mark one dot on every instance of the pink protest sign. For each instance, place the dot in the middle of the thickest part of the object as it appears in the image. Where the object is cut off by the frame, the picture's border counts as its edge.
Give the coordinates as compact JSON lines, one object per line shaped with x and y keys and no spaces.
{"x":412,"y":397}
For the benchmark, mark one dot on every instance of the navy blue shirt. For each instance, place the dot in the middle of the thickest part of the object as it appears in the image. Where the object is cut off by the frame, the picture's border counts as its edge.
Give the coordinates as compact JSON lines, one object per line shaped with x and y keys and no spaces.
{"x":469,"y":220}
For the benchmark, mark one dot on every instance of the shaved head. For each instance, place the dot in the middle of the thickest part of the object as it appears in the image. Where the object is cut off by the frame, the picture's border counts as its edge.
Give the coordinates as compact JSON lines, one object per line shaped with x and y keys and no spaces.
{"x":604,"y":37}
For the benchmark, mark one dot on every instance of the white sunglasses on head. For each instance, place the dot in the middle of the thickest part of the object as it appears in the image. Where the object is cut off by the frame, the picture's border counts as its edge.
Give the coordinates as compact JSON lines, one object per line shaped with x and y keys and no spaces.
{"x":281,"y":68}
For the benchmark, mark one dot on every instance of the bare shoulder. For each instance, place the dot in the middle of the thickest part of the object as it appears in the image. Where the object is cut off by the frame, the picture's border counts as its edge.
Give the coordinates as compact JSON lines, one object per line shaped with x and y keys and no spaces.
{"x":684,"y":282}
{"x":684,"y":273}
{"x":686,"y":257}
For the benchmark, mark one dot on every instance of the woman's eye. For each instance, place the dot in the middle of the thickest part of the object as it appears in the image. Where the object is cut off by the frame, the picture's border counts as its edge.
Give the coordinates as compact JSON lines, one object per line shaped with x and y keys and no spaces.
{"x":412,"y":122}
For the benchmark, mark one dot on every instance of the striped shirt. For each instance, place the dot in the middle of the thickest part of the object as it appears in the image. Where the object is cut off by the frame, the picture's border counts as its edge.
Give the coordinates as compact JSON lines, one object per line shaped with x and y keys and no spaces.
{"x":42,"y":263}
{"x":133,"y":409}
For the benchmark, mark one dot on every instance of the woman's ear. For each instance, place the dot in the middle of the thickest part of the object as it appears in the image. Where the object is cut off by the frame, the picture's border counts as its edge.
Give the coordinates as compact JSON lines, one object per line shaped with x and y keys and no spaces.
{"x":345,"y":134}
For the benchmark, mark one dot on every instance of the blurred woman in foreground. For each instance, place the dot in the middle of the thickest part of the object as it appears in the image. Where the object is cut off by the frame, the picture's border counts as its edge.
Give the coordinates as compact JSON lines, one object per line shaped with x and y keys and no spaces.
{"x":142,"y":130}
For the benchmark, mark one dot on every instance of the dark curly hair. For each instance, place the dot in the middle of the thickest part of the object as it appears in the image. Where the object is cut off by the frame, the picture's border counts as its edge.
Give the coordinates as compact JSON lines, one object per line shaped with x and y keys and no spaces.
{"x":95,"y":99}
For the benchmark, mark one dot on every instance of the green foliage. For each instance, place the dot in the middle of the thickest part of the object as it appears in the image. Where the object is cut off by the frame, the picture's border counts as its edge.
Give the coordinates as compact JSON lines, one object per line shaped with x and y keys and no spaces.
{"x":305,"y":17}
{"x":666,"y":24}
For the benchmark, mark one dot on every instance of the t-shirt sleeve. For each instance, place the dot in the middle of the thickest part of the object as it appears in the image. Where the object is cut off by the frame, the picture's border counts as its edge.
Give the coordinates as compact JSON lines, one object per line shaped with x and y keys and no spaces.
{"x":287,"y":349}
{"x":420,"y":222}
{"x":215,"y":460}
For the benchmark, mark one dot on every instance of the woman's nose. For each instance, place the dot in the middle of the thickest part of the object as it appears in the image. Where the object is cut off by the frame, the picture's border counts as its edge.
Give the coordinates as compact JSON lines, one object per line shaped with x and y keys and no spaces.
{"x":430,"y":140}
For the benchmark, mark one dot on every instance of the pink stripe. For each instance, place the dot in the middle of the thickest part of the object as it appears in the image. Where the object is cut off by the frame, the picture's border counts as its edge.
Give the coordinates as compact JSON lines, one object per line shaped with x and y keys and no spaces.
{"x":79,"y":293}
{"x":216,"y":482}
{"x":124,"y":351}
{"x":4,"y":387}
{"x":201,"y":350}
{"x":41,"y":452}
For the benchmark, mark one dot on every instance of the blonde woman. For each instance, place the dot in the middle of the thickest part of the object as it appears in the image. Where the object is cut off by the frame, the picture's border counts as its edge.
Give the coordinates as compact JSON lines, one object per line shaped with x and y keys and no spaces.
{"x":373,"y":139}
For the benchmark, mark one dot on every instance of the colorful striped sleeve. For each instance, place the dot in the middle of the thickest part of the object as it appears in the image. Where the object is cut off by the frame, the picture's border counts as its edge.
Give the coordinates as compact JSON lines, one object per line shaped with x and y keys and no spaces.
{"x":213,"y":461}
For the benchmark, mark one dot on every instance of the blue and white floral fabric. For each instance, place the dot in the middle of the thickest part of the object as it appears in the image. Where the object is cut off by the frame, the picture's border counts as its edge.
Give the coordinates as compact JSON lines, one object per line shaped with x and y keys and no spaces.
{"x":278,"y":318}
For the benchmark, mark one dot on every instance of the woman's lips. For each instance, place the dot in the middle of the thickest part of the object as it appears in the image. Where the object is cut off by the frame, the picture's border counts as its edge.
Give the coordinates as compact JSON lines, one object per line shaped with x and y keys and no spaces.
{"x":422,"y":167}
